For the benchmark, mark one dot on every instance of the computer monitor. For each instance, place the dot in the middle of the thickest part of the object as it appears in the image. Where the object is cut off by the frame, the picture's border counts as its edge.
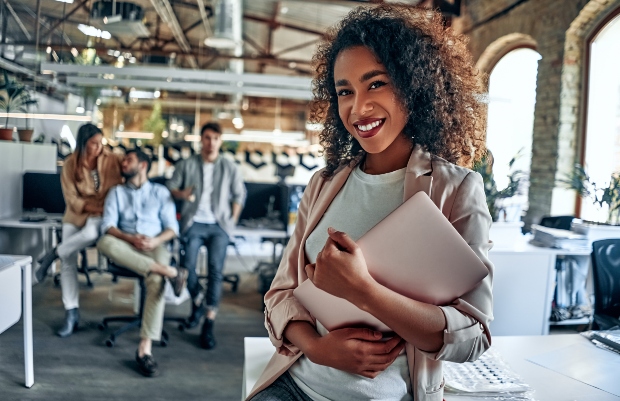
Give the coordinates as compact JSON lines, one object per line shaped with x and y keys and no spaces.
{"x":264,"y":198}
{"x":43,"y":191}
{"x":260,"y":198}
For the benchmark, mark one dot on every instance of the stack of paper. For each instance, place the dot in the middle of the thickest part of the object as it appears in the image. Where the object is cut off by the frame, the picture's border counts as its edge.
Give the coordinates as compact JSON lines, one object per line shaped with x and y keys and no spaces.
{"x":555,"y":238}
{"x":489,"y":376}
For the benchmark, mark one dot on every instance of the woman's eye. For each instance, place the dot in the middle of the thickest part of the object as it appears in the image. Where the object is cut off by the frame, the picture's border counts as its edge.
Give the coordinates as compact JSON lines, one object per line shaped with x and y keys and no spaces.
{"x":377,"y":84}
{"x":343,"y":92}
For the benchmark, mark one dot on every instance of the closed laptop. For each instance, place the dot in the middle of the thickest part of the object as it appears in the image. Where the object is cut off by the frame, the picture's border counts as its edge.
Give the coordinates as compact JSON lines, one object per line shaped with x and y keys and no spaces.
{"x":414,"y":251}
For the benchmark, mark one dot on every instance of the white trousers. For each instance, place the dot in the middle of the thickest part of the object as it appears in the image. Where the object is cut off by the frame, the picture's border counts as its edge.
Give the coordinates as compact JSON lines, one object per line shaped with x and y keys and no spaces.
{"x":74,"y":239}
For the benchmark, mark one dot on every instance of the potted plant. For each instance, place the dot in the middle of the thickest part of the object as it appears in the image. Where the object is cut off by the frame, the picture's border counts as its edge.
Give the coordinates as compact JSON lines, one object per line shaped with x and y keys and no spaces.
{"x":155,"y":124}
{"x":604,"y":197}
{"x":16,"y":98}
{"x":494,"y":196}
{"x":503,"y":233}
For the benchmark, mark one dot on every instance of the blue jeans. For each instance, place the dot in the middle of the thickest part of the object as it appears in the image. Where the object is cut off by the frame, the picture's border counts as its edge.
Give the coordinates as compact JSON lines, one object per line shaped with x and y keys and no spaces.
{"x":216,"y":240}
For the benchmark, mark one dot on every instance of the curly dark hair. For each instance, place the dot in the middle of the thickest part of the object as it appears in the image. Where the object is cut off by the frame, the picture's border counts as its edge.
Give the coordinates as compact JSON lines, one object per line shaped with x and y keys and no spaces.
{"x":432,"y":73}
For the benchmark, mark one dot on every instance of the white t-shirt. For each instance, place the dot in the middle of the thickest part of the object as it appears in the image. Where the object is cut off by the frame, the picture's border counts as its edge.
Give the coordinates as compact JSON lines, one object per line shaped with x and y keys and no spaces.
{"x":204,"y":214}
{"x":362,"y":202}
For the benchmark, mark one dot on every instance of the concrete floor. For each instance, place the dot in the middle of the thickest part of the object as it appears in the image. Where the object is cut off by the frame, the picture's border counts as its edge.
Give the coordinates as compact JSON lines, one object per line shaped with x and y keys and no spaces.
{"x":81,"y":367}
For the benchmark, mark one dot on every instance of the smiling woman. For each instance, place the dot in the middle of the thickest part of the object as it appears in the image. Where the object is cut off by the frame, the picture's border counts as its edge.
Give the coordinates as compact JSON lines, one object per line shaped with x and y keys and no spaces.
{"x":396,"y":92}
{"x":429,"y":72}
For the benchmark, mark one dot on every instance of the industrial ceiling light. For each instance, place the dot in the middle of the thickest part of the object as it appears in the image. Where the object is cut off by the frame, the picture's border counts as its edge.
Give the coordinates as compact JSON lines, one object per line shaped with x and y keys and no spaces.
{"x":66,"y":1}
{"x":92,"y":31}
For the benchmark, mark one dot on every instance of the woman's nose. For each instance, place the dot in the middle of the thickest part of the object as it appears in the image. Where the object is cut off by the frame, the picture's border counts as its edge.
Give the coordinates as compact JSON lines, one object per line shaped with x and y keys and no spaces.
{"x":361,"y":106}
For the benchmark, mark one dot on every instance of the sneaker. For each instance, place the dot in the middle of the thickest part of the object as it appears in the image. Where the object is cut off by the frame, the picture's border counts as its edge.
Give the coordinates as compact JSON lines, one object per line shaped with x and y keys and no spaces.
{"x":179,"y":282}
{"x":207,"y":339}
{"x":147,"y":365}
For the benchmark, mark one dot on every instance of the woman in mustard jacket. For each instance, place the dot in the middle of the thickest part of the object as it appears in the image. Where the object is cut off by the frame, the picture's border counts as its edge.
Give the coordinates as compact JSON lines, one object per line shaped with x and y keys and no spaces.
{"x":398,"y":96}
{"x":87,"y":176}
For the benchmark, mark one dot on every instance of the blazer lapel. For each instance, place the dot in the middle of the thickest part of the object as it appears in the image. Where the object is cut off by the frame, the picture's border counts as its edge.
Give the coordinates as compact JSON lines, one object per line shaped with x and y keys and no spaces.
{"x":417,"y":177}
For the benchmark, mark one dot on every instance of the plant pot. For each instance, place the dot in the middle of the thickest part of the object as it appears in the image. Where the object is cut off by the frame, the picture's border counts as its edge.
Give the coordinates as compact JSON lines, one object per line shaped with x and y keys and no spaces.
{"x":25,"y":135}
{"x":6,"y":134}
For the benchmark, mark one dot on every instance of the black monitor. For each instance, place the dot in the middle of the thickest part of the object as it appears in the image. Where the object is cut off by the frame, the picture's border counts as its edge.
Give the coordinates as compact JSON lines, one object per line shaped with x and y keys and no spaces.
{"x":43,"y":191}
{"x":263,"y":199}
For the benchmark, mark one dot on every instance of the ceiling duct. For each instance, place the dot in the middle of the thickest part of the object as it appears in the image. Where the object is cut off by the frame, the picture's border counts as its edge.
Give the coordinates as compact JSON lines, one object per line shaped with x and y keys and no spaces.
{"x":120,"y":18}
{"x":227,"y":32}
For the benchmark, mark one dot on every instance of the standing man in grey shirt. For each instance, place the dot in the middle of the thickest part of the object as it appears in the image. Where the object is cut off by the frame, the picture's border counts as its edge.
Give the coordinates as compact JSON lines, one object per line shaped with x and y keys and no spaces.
{"x":212,"y":193}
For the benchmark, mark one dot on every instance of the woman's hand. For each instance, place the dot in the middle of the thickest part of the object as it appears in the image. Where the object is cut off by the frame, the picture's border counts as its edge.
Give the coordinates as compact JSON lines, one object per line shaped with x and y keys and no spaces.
{"x":355,"y":350}
{"x":340,"y":268}
{"x":93,"y":210}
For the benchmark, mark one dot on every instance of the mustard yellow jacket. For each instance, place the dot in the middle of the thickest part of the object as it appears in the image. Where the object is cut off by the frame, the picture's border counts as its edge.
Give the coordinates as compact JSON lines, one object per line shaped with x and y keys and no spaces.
{"x":79,"y":193}
{"x":459,"y":194}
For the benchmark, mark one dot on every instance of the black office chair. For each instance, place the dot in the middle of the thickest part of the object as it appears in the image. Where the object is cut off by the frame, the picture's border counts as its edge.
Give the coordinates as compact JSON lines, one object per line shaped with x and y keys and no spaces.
{"x":132,"y":321}
{"x":606,"y":275}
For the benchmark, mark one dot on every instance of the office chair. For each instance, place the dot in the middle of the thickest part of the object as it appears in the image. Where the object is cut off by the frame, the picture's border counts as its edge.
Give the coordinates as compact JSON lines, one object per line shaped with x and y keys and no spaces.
{"x":606,"y":283}
{"x":132,"y":321}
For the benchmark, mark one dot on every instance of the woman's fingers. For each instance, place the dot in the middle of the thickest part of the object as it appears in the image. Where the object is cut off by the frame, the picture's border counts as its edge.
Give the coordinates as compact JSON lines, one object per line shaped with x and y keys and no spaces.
{"x":310,"y":271}
{"x":342,"y":240}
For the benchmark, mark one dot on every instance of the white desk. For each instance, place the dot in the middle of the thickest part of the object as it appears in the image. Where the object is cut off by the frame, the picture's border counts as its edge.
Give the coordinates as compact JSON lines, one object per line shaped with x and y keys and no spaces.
{"x":547,"y":384}
{"x":48,"y":229}
{"x":523,"y":287}
{"x":13,"y":277}
{"x":259,"y":232}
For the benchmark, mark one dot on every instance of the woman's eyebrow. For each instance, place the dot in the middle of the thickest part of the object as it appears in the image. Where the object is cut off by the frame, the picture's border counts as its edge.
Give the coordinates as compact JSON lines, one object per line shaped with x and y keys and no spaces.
{"x":372,"y":74}
{"x":368,"y":75}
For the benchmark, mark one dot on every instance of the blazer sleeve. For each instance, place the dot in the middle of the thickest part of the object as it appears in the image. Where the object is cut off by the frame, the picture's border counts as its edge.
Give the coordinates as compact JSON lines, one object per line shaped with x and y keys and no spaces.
{"x":72,"y":197}
{"x":467,"y":334}
{"x":281,"y":306}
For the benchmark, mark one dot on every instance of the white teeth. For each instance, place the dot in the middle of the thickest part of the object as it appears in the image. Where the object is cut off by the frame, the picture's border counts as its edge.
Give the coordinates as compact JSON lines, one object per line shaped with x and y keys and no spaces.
{"x":370,"y":126}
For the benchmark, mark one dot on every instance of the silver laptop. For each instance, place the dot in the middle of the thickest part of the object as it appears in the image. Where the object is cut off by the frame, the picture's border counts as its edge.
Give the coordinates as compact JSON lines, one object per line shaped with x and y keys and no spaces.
{"x":414,"y":251}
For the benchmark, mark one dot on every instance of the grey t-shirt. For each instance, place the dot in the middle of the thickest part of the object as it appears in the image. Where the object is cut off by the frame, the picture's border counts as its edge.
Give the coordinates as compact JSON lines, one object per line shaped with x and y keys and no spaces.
{"x":362,"y":202}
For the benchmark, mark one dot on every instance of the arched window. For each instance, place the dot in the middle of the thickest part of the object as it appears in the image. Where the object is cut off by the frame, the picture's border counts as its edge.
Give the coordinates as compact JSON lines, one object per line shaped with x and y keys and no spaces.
{"x":602,"y":136}
{"x":512,"y":96}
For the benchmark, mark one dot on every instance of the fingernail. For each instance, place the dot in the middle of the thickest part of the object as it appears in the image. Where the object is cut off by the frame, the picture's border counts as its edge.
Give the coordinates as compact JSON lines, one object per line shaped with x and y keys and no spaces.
{"x":331,"y":230}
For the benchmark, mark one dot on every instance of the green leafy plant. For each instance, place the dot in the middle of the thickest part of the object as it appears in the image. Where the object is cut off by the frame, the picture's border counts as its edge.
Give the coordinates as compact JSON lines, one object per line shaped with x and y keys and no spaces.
{"x":16,"y":97}
{"x":155,"y":124}
{"x":485,"y":168}
{"x":580,"y":181}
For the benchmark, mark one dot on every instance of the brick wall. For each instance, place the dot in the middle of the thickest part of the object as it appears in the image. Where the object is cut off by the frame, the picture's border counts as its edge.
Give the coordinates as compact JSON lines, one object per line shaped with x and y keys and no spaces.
{"x":495,"y":25}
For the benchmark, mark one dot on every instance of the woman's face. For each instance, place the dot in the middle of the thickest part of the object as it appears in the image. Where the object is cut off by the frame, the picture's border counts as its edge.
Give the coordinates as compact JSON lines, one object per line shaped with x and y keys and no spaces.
{"x":94,"y":145}
{"x":367,"y":102}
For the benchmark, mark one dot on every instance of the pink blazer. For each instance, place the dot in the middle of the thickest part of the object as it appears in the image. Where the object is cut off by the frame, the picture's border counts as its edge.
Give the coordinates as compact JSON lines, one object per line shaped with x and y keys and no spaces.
{"x":459,"y":194}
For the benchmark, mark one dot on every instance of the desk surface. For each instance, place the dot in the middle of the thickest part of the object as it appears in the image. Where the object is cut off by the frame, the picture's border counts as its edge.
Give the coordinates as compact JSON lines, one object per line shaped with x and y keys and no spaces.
{"x":14,"y":222}
{"x":547,"y":384}
{"x":522,"y":245}
{"x":259,"y":232}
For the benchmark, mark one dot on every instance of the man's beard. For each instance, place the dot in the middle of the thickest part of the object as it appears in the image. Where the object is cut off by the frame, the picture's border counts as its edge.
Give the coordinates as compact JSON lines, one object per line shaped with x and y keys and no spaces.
{"x":129,"y":174}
